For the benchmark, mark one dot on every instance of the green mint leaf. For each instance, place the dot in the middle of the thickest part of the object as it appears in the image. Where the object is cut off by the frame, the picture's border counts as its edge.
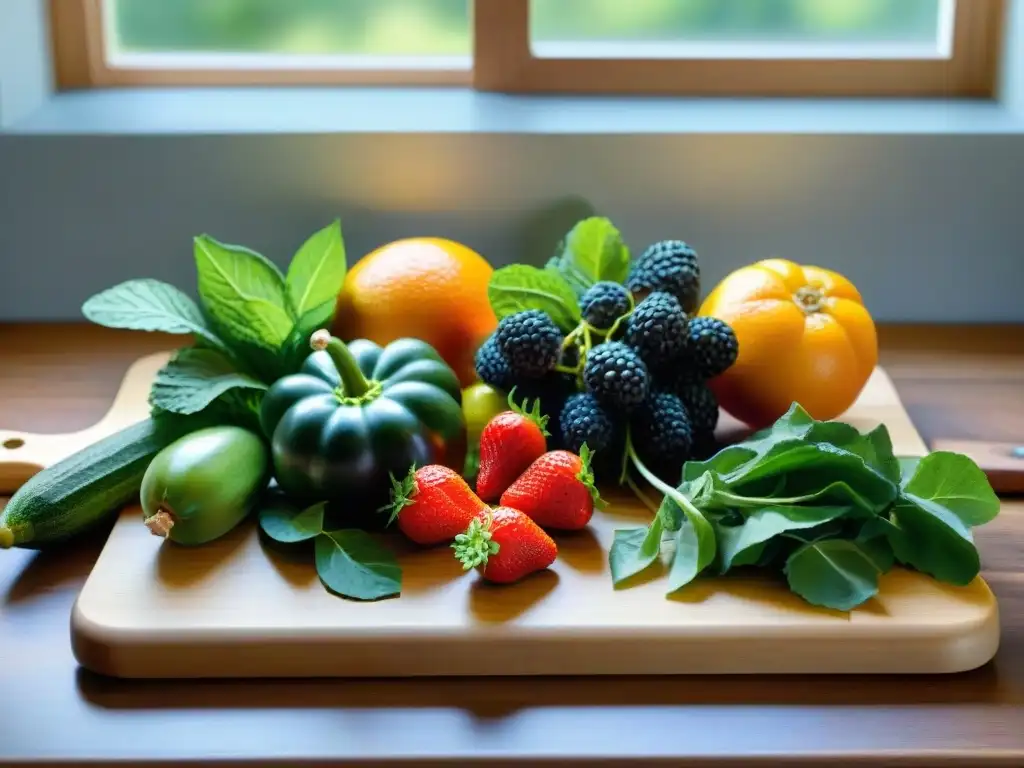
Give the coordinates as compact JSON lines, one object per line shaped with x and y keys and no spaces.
{"x":634,"y":550}
{"x":835,"y":573}
{"x":933,"y":540}
{"x":317,"y":271}
{"x":283,"y":521}
{"x":295,"y":349}
{"x":351,"y":563}
{"x":955,"y":483}
{"x":244,"y":293}
{"x":149,"y":305}
{"x":593,"y":251}
{"x":874,"y":447}
{"x":194,"y":378}
{"x":736,"y":542}
{"x":908,"y":465}
{"x":520,"y":287}
{"x":695,"y":549}
{"x":561,"y":265}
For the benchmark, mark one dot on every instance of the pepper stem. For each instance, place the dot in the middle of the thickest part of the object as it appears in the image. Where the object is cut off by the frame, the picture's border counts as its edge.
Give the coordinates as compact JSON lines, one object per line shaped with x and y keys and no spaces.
{"x":161,"y":523}
{"x":352,"y":379}
{"x":6,"y":537}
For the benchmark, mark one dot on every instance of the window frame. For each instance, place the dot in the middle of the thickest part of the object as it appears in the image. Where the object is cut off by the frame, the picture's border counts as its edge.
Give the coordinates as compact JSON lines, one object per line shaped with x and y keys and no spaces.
{"x":503,"y":62}
{"x":502,"y":30}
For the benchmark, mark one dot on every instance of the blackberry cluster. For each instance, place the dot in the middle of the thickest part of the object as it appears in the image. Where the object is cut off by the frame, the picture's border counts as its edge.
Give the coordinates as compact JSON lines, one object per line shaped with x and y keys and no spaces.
{"x":616,"y":375}
{"x":702,"y":406}
{"x":584,"y":420}
{"x":657,"y":330}
{"x":492,"y":367}
{"x":670,"y":266}
{"x":712,"y":346}
{"x":663,"y":434}
{"x":530,"y":342}
{"x":604,"y":303}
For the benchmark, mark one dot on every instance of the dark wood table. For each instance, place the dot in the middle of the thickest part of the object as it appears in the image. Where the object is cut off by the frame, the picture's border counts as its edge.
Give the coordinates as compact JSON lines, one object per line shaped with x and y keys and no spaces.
{"x":956,"y":382}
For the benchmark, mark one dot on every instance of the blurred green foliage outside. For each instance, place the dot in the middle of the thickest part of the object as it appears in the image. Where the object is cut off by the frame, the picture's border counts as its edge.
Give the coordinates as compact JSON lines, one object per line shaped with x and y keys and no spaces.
{"x":442,"y":27}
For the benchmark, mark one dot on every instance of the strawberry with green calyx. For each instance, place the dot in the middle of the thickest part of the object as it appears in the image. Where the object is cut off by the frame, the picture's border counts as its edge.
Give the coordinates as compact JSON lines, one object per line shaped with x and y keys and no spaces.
{"x":505,"y":545}
{"x":557,"y":491}
{"x":433,"y":504}
{"x":510,"y":443}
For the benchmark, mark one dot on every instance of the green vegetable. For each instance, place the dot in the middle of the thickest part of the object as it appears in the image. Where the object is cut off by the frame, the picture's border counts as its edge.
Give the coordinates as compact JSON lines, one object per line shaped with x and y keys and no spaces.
{"x":350,"y":562}
{"x":204,"y":484}
{"x":519,"y":287}
{"x":829,"y":506}
{"x":357,"y":414}
{"x":251,"y":326}
{"x":75,"y":494}
{"x":592,"y":251}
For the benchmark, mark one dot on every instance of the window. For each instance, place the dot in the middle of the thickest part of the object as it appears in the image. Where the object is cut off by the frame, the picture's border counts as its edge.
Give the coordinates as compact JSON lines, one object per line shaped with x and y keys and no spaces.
{"x":696,"y":47}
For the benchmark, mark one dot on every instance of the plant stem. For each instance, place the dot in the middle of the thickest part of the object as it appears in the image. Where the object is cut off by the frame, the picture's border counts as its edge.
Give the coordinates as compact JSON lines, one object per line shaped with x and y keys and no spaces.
{"x":352,"y":379}
{"x":684,"y":503}
{"x":733,"y":500}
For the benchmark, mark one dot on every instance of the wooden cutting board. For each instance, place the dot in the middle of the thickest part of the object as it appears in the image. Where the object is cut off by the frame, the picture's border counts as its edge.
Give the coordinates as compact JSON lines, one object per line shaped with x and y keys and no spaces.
{"x":240,"y":608}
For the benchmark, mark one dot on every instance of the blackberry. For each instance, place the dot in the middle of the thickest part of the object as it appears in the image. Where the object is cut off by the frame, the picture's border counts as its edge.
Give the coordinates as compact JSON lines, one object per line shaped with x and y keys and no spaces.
{"x":604,"y":303}
{"x":531,"y":342}
{"x":671,"y":266}
{"x":616,"y":376}
{"x":657,"y":329}
{"x":713,"y":346}
{"x":702,"y":406}
{"x":492,"y":367}
{"x":585,"y":420}
{"x":663,"y":435}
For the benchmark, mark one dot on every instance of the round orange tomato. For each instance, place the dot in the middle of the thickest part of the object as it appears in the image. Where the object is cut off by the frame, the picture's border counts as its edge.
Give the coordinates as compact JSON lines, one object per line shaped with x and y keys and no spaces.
{"x":429,"y":288}
{"x":804,"y":336}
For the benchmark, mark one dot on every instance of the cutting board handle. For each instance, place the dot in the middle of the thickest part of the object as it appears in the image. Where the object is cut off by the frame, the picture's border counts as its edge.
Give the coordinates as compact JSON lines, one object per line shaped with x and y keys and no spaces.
{"x":22,"y":454}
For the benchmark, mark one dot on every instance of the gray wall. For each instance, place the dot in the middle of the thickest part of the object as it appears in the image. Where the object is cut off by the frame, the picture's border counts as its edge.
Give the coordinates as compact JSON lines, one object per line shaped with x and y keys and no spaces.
{"x":920,"y":205}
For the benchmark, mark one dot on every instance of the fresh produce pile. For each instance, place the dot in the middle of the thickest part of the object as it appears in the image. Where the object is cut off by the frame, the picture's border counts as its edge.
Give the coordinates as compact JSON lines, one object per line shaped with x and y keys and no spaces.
{"x":596,"y":369}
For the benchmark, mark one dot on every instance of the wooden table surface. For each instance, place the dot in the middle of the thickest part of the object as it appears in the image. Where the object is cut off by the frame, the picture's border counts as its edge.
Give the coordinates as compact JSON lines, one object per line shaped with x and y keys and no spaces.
{"x":956,"y":383}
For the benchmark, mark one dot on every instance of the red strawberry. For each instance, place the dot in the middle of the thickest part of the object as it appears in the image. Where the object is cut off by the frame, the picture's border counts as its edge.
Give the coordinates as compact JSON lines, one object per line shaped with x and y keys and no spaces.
{"x":509,"y":443}
{"x":505,"y":545}
{"x":556,"y":491}
{"x":433,"y":504}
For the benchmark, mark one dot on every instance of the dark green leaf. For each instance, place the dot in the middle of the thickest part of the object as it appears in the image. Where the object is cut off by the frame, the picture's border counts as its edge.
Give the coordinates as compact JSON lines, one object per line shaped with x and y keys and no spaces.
{"x":285,"y":522}
{"x":194,"y":378}
{"x":954,"y":483}
{"x":244,"y":293}
{"x":695,"y":549}
{"x":834,"y":573}
{"x":317,"y":271}
{"x":934,"y":541}
{"x":149,"y":305}
{"x":765,"y":524}
{"x":874,"y":447}
{"x":593,"y":251}
{"x":520,"y":287}
{"x":351,"y":563}
{"x":633,"y":550}
{"x":676,"y":516}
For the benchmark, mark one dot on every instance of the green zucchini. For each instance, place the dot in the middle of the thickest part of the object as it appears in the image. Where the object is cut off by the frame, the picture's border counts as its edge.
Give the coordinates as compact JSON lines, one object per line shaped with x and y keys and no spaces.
{"x":73,"y":495}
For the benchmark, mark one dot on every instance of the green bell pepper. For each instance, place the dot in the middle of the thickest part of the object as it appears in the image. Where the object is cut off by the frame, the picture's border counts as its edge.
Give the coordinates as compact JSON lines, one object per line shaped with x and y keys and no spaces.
{"x":353,"y":415}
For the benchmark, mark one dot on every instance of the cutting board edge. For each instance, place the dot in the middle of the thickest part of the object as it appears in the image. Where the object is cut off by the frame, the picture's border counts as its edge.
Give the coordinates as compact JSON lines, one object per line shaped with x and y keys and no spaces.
{"x":127,"y":653}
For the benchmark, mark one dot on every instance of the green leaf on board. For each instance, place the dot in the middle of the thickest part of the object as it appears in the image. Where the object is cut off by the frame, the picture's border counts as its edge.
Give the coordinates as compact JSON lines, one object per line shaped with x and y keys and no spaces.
{"x":954,"y":483}
{"x":633,"y":550}
{"x":934,"y":541}
{"x":353,"y":564}
{"x":244,"y":293}
{"x":834,"y":573}
{"x":149,"y":305}
{"x":693,"y":543}
{"x":194,"y":378}
{"x":288,"y":523}
{"x":317,"y":271}
{"x":520,"y":287}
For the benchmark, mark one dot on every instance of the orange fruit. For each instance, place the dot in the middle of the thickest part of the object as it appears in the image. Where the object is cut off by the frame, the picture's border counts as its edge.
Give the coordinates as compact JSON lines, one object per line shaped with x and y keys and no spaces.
{"x":425,"y":287}
{"x":804,"y":336}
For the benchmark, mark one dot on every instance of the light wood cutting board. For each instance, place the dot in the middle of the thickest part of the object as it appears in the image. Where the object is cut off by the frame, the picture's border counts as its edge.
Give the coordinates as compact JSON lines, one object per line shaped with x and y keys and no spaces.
{"x":240,"y":608}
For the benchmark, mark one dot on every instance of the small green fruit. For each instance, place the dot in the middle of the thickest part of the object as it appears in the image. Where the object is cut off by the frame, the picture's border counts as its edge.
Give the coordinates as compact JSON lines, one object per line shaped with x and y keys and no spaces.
{"x":481,"y":403}
{"x":204,"y":484}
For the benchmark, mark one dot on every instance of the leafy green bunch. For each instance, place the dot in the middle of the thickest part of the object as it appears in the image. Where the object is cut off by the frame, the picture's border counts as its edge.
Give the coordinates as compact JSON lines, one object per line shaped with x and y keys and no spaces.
{"x":250,"y":327}
{"x":830,"y":507}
